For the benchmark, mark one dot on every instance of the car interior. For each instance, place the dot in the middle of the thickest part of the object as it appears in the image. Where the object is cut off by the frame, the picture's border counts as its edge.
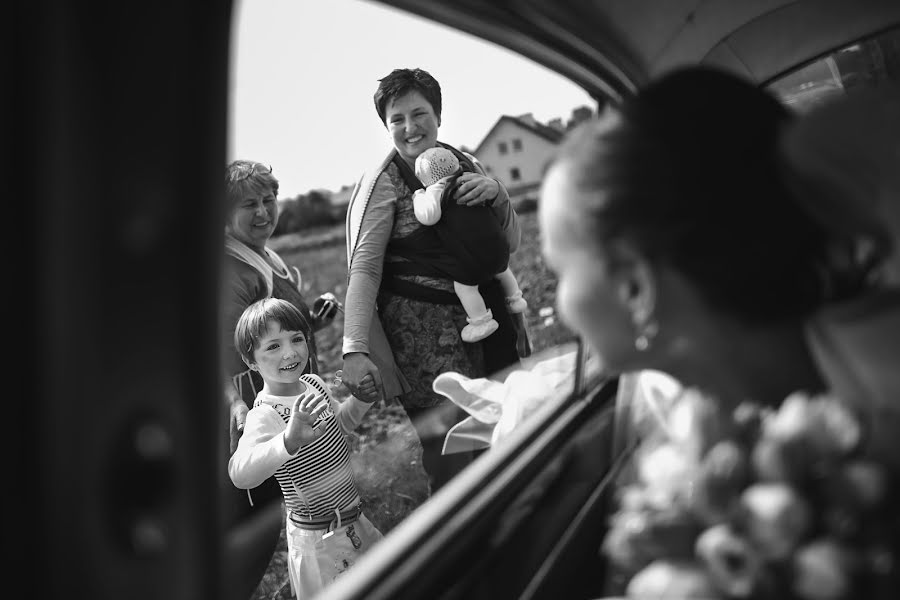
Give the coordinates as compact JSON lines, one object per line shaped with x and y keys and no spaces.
{"x":118,"y":121}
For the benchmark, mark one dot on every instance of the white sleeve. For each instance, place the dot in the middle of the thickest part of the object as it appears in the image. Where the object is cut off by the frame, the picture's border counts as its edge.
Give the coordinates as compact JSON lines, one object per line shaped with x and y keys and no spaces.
{"x":350,"y":412}
{"x":427,"y":203}
{"x":260,"y":450}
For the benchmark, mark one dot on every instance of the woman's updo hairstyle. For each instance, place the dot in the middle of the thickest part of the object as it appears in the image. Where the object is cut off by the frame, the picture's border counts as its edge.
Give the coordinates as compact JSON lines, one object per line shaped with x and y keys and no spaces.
{"x":689,"y":175}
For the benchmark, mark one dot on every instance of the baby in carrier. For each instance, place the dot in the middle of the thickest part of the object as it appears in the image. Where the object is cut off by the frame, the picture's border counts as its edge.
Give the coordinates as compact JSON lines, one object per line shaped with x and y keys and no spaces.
{"x":472,"y":234}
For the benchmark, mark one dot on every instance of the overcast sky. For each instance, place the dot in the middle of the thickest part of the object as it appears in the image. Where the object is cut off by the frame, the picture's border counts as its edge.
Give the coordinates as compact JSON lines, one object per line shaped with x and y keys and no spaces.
{"x":303,"y":73}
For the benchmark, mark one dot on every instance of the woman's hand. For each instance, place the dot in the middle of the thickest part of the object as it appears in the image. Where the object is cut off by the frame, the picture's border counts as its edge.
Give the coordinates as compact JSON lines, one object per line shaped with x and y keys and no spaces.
{"x":307,"y":408}
{"x":362,"y":377}
{"x":476,"y":189}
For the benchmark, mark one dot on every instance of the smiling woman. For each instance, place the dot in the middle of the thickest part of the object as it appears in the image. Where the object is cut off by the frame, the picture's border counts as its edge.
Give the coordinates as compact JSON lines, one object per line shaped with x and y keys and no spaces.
{"x":253,"y":270}
{"x":255,"y":212}
{"x":403,"y":318}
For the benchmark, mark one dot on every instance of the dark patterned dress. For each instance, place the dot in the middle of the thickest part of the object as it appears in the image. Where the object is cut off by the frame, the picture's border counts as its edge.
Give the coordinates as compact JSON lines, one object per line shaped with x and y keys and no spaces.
{"x":424,"y":336}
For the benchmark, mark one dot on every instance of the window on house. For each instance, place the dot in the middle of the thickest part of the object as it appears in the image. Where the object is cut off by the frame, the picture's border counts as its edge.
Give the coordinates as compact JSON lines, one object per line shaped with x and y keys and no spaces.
{"x":502,"y":147}
{"x":517,"y":145}
{"x":514,"y":174}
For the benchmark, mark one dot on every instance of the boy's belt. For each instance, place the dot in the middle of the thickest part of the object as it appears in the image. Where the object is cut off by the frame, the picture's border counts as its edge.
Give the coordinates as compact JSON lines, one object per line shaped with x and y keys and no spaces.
{"x":339,"y":519}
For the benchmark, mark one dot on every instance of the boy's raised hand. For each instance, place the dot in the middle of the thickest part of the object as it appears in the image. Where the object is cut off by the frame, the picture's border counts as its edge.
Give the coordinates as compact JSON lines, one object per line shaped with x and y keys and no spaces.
{"x":300,"y":432}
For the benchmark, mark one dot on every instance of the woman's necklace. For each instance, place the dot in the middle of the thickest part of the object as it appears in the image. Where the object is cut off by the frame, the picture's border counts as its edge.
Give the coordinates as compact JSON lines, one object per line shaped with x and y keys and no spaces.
{"x":278,"y":267}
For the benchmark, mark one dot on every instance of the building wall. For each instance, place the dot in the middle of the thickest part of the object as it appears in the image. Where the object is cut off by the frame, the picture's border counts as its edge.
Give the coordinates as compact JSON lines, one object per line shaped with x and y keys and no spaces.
{"x":529,"y":160}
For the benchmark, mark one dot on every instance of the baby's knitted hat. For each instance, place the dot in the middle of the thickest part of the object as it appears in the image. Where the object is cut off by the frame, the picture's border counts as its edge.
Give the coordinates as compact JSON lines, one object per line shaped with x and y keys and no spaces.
{"x":434,"y":164}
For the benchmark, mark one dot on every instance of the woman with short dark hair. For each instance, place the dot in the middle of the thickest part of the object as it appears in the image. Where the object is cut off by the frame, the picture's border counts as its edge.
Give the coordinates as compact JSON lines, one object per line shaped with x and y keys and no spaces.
{"x":403,"y":320}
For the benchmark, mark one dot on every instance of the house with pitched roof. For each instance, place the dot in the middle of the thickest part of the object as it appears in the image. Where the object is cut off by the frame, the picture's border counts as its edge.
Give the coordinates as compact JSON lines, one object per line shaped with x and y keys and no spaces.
{"x":516,"y":150}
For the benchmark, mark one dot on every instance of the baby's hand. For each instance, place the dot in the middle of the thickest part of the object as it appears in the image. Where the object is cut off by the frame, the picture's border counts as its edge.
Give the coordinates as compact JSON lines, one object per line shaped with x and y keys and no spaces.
{"x":300,"y":432}
{"x":438,"y":187}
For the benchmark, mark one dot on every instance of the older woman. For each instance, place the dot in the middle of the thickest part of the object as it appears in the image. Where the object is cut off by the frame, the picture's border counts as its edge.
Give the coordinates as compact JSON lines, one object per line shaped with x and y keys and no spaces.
{"x":403,"y":320}
{"x":252,"y":271}
{"x":682,"y":245}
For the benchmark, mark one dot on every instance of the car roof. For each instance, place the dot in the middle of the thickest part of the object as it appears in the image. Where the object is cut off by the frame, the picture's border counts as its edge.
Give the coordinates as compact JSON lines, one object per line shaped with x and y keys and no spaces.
{"x":610,"y":47}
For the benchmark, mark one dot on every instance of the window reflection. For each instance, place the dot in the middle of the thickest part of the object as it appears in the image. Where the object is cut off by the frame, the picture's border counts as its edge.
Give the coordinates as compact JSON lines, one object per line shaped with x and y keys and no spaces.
{"x":386,"y":452}
{"x":866,"y":64}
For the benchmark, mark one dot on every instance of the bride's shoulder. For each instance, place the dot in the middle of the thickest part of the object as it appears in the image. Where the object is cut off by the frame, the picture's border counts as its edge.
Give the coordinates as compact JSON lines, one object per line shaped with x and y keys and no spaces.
{"x":856,"y":345}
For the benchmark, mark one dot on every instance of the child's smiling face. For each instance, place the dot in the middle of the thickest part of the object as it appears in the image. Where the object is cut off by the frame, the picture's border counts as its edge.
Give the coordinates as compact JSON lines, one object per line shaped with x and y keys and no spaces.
{"x":280,"y":357}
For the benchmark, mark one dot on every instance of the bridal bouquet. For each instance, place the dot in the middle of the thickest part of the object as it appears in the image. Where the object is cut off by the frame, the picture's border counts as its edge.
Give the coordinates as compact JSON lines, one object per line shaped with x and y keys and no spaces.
{"x":757,"y":503}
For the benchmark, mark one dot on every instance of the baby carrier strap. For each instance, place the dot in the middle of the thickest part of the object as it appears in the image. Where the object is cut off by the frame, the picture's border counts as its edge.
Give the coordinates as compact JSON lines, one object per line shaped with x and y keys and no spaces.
{"x":500,"y":347}
{"x":467,"y":244}
{"x":392,"y":283}
{"x":423,"y":248}
{"x":474,"y":236}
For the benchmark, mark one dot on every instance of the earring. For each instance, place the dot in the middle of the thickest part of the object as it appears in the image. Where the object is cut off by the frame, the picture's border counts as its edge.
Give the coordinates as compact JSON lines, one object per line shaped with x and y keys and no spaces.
{"x":647,"y":331}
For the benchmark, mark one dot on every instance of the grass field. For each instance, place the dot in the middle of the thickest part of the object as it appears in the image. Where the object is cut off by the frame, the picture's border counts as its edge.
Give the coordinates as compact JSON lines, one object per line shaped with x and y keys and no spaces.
{"x":386,"y":454}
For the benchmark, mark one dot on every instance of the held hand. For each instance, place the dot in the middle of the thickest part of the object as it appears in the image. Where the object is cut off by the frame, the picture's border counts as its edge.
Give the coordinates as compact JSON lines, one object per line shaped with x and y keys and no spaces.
{"x":362,"y":377}
{"x":437,"y":188}
{"x":476,"y":189}
{"x":307,"y":408}
{"x":368,"y":390}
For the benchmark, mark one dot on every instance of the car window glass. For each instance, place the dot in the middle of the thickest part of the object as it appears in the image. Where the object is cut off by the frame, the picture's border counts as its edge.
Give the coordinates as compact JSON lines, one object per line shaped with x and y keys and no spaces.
{"x":869,"y":63}
{"x":283,"y":101}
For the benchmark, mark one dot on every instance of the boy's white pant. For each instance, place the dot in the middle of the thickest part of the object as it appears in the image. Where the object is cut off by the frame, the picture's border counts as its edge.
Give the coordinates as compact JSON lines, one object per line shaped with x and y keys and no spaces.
{"x":314,"y":562}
